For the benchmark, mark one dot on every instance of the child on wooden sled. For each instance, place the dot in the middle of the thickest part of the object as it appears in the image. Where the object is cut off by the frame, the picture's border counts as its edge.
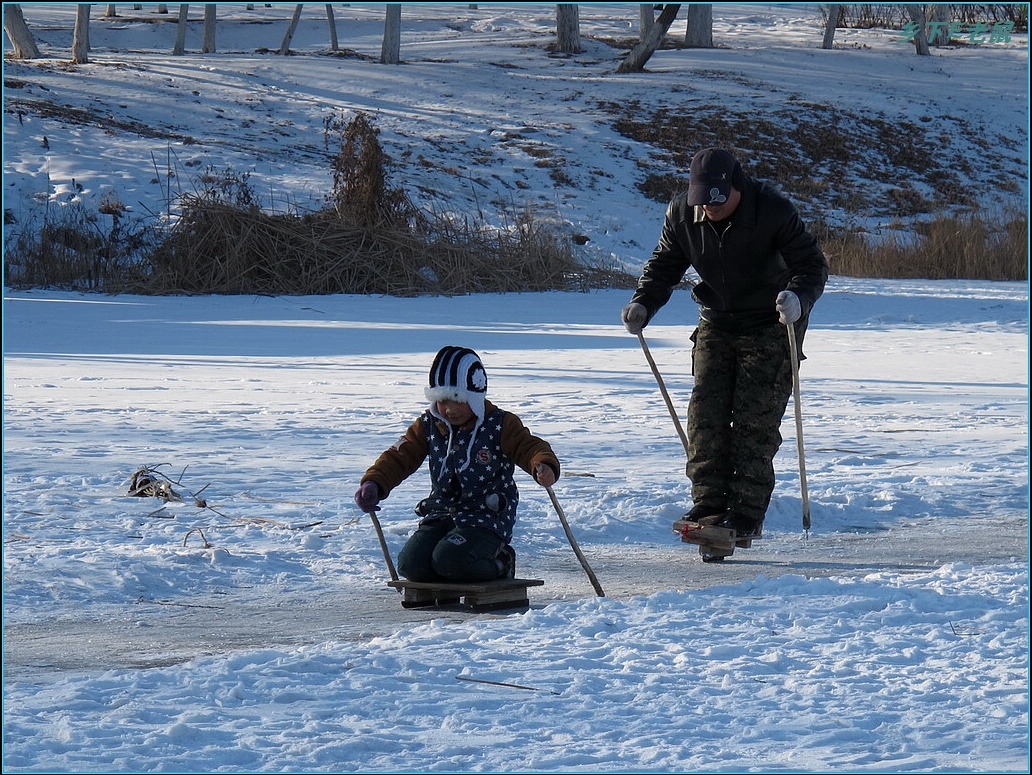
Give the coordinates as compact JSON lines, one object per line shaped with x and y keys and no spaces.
{"x":473,"y":448}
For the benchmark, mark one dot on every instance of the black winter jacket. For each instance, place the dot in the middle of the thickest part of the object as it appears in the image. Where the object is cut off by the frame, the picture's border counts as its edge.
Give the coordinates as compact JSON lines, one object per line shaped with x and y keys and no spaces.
{"x":764,"y":250}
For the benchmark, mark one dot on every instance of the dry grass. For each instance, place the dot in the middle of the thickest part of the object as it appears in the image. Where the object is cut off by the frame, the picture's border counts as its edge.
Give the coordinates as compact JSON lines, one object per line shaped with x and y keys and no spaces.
{"x":221,"y":244}
{"x":371,"y":239}
{"x":221,"y":248}
{"x":76,"y":249}
{"x":891,"y":16}
{"x":860,"y":166}
{"x":825,"y":157}
{"x":966,"y":247}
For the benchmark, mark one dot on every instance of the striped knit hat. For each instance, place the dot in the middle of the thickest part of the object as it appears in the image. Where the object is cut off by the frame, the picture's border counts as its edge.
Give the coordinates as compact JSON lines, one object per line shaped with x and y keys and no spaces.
{"x":458,"y":375}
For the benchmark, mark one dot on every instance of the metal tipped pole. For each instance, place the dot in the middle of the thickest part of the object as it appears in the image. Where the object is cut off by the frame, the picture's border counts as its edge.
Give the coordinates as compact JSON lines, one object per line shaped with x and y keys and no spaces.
{"x":793,"y":347}
{"x":666,"y":395}
{"x":573,"y":543}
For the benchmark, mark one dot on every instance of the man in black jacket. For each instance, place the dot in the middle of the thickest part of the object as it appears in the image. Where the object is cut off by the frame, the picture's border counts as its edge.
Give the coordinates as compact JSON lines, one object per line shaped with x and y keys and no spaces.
{"x":760,"y":271}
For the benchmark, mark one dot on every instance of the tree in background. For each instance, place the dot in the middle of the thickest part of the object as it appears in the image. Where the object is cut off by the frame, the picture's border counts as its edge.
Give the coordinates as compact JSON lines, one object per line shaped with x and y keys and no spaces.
{"x":81,"y":36}
{"x":700,"y":26}
{"x":18,"y":33}
{"x":390,"y":52}
{"x":635,"y":61}
{"x":917,"y":14}
{"x":208,"y":38}
{"x":284,"y":48}
{"x":333,"y":27}
{"x":939,"y":12}
{"x":831,"y":25}
{"x":647,"y":12}
{"x":567,"y":29}
{"x":180,"y":47}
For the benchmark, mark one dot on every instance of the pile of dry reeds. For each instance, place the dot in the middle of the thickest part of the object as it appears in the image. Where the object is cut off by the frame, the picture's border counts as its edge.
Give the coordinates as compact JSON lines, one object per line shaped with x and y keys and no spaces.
{"x":969,"y":246}
{"x":370,"y":239}
{"x":217,"y":247}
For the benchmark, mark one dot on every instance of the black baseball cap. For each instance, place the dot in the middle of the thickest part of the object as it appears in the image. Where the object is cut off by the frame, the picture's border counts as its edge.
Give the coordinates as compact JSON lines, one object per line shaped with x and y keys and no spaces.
{"x":711,"y":174}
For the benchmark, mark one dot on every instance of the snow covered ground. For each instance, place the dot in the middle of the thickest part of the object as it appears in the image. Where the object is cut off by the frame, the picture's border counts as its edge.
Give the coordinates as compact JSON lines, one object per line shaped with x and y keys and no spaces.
{"x":256,"y":633}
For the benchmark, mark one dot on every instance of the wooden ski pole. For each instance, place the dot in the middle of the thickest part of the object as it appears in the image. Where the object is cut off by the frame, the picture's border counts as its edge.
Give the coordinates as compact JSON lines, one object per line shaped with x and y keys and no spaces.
{"x":573,"y":543}
{"x":663,"y":390}
{"x":383,"y":547}
{"x":794,"y":348}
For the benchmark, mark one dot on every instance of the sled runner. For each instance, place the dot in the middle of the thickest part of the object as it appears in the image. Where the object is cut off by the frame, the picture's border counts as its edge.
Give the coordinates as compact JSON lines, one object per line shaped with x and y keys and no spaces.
{"x":715,"y":543}
{"x":479,"y":596}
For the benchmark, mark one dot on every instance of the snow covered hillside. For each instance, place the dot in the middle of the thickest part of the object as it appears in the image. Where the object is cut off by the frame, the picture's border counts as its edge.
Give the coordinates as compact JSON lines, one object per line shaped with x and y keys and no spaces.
{"x":481,"y":119}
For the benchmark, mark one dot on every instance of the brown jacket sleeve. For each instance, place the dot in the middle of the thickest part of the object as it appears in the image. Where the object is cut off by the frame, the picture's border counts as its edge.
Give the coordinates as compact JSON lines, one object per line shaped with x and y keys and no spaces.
{"x":399,"y":462}
{"x":524,"y":448}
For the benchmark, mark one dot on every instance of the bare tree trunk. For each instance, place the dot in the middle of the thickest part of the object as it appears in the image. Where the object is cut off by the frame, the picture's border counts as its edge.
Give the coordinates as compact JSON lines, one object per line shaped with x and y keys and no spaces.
{"x":81,"y":36}
{"x":917,"y":13}
{"x":284,"y":48}
{"x":110,"y":11}
{"x":390,"y":52}
{"x":333,"y":27}
{"x":208,"y":38}
{"x":635,"y":61}
{"x":18,"y":33}
{"x":162,"y":8}
{"x":647,"y":16}
{"x":567,"y":29}
{"x":180,"y":47}
{"x":940,"y":15}
{"x":834,"y":11}
{"x":700,"y":26}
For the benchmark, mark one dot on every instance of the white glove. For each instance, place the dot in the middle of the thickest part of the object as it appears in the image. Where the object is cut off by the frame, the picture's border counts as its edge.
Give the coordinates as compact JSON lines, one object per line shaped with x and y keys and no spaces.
{"x":634,"y":317}
{"x":788,"y":307}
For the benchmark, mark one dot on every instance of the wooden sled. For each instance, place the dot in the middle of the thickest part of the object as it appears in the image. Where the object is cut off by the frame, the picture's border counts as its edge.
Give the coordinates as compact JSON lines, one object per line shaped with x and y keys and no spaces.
{"x":715,"y":543}
{"x":479,"y":596}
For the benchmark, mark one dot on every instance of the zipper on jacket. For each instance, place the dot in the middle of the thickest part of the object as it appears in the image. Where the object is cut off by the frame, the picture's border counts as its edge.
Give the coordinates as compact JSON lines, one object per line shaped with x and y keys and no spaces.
{"x":720,"y":251}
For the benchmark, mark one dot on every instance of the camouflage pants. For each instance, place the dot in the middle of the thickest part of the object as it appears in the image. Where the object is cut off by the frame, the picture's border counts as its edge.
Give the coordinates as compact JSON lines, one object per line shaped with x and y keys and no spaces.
{"x":742,"y":386}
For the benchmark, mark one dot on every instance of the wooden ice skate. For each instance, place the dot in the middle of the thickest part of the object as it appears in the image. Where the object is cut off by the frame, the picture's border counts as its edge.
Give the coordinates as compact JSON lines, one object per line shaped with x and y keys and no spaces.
{"x":715,"y":543}
{"x":478,"y":596}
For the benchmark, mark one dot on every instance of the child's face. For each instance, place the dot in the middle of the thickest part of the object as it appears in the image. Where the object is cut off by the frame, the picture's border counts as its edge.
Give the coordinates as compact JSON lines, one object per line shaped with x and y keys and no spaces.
{"x":455,"y":412}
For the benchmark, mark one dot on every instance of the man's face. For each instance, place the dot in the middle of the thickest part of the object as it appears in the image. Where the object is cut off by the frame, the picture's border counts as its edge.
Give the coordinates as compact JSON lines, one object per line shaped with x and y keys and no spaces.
{"x":725,"y":209}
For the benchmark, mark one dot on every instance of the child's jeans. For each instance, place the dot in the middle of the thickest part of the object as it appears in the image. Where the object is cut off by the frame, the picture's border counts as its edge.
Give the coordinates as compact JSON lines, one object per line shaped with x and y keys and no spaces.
{"x":440,"y":551}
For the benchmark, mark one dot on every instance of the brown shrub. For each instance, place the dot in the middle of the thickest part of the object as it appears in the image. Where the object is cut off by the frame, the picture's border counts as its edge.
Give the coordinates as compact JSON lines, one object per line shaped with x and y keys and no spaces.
{"x":969,"y":247}
{"x":220,"y":248}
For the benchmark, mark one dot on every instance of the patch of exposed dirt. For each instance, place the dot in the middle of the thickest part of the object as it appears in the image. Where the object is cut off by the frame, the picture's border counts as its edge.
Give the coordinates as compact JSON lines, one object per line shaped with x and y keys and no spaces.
{"x":822,"y":156}
{"x":74,"y":115}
